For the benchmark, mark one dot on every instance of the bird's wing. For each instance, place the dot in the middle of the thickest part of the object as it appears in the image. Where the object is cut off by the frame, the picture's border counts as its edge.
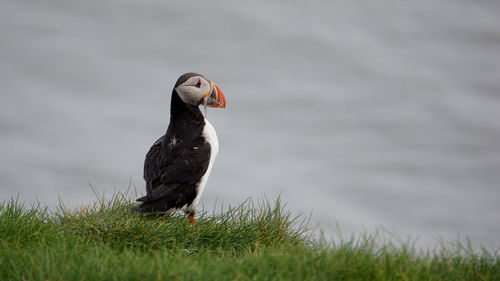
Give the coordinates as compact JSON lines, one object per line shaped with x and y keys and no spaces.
{"x":187,"y":166}
{"x":152,"y":164}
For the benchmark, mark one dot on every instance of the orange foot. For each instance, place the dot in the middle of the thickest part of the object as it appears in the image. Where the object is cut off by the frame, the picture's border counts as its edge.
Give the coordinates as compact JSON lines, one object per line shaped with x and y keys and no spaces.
{"x":191,"y":219}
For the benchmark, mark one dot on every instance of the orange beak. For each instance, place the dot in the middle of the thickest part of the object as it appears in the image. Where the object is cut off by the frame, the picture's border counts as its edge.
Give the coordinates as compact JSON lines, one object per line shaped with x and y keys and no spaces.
{"x":215,"y":98}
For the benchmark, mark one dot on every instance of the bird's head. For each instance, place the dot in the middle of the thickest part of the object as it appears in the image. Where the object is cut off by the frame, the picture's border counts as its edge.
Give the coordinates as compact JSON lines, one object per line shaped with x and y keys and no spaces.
{"x":195,"y":89}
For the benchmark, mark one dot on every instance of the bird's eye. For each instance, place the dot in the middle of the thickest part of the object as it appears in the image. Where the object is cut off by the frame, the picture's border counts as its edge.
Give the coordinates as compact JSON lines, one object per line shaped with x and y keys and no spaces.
{"x":198,"y":84}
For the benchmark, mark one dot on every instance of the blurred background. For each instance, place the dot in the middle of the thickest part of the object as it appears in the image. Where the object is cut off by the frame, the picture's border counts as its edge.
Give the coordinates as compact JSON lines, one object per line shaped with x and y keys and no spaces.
{"x":367,"y":113}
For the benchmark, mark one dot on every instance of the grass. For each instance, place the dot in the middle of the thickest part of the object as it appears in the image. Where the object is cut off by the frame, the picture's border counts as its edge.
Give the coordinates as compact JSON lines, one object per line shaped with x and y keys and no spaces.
{"x":262,"y":241}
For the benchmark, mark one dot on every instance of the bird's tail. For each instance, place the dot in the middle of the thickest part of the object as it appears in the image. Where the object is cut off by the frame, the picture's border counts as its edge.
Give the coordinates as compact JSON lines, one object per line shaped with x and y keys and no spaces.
{"x":143,"y":199}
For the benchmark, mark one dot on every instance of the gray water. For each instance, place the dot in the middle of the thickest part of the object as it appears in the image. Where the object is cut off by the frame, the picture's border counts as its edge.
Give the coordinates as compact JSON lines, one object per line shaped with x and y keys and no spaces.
{"x":367,"y":113}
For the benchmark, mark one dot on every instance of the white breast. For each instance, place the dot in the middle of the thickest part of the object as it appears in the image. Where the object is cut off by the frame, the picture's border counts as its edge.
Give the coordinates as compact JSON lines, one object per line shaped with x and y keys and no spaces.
{"x":210,"y":137}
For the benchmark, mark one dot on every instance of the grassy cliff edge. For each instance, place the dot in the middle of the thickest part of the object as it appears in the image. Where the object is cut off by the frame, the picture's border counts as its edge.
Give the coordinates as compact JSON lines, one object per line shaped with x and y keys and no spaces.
{"x":262,"y":241}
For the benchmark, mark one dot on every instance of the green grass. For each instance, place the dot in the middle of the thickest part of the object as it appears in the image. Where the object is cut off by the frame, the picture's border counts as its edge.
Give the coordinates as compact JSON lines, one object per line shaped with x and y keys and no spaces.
{"x":107,"y":241}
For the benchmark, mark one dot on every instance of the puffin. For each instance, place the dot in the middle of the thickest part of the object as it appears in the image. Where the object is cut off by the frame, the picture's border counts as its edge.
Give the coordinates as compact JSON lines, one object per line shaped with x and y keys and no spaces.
{"x":177,"y":166}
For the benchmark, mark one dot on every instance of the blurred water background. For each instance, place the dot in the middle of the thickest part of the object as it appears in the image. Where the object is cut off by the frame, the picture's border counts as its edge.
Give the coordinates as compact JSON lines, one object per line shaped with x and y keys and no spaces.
{"x":369,"y":113}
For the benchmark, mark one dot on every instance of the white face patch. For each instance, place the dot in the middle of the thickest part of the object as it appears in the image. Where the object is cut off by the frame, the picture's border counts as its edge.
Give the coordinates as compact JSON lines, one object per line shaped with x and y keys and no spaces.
{"x":193,"y":89}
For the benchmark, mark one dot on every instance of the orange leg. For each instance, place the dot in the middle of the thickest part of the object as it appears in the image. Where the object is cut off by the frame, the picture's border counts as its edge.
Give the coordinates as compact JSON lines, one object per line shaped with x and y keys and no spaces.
{"x":191,"y":219}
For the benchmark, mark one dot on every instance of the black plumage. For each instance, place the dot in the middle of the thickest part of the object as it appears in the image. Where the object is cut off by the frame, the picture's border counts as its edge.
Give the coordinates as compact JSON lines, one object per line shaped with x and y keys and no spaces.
{"x":177,"y":161}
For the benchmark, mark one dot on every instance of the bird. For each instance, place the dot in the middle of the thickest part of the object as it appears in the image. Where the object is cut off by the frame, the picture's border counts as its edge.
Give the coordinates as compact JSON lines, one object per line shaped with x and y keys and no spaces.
{"x":177,"y":166}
